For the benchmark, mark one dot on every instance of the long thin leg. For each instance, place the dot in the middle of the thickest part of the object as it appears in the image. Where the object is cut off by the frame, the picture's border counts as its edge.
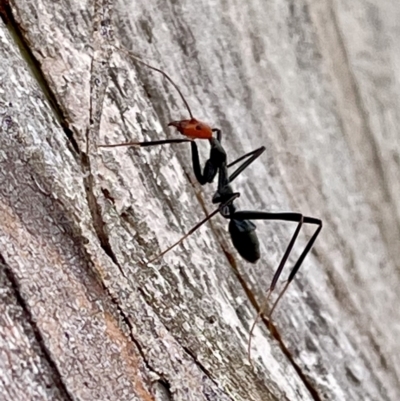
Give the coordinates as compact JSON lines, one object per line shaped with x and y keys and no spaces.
{"x":289,"y":216}
{"x":286,"y":254}
{"x":214,"y":163}
{"x":203,"y":176}
{"x":145,"y":143}
{"x":299,"y":260}
{"x":191,"y":231}
{"x":196,"y":227}
{"x":253,"y":155}
{"x":210,"y":171}
{"x":224,"y":179}
{"x":296,"y":217}
{"x":273,"y":284}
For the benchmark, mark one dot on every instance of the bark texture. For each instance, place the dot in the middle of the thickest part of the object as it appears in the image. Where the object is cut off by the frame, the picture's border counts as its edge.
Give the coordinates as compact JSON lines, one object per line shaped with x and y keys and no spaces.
{"x":82,"y":316}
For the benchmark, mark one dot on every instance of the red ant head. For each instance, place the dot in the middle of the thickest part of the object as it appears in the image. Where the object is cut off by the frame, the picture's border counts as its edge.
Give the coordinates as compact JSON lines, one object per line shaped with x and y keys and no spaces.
{"x":193,"y":129}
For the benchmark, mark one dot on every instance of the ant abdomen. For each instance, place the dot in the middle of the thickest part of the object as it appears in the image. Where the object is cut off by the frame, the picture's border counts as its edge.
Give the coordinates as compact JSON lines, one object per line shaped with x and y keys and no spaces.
{"x":244,"y":239}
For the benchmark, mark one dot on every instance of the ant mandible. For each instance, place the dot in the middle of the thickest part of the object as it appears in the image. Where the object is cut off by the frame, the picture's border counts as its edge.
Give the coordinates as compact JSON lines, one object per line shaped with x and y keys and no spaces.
{"x":241,"y":227}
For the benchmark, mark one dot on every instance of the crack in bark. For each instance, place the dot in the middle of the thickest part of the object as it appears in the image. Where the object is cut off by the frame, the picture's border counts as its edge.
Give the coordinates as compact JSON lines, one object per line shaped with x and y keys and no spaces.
{"x":200,"y":365}
{"x":275,"y":333}
{"x":22,"y":43}
{"x":371,"y":145}
{"x":57,"y":376}
{"x":99,"y":227}
{"x":167,"y":388}
{"x":125,"y":319}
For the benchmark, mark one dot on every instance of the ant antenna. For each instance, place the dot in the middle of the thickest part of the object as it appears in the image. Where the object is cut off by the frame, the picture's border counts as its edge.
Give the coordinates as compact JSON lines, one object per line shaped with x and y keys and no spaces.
{"x":138,"y":59}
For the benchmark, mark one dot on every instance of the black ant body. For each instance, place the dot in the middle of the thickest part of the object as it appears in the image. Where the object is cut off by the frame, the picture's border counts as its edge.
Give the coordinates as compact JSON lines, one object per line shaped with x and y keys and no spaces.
{"x":241,"y":227}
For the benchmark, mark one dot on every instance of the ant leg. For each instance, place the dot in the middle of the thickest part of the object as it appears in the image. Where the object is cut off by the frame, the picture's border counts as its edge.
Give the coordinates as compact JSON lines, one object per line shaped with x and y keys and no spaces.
{"x":217,"y":155}
{"x":196,"y":227}
{"x":215,"y":162}
{"x":202,"y":178}
{"x":145,"y":143}
{"x":296,"y":267}
{"x":272,"y":286}
{"x":285,"y":257}
{"x":224,"y":179}
{"x":191,"y":231}
{"x":209,"y":173}
{"x":253,"y":155}
{"x":275,"y":279}
{"x":294,"y":217}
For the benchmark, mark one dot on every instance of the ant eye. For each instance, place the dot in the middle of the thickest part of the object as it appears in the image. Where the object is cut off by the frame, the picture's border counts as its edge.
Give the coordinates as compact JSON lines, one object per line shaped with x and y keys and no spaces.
{"x":198,"y":127}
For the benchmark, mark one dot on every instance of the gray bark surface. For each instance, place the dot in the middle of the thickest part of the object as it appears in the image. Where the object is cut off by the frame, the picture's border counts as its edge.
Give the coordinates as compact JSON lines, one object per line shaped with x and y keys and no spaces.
{"x":82,"y":317}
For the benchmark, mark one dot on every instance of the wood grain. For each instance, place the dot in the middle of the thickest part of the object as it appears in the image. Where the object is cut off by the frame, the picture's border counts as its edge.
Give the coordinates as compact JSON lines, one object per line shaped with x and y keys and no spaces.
{"x":315,"y":82}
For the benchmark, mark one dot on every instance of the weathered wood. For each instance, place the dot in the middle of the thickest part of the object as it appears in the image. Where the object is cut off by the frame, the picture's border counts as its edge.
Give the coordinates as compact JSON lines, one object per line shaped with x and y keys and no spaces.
{"x":315,"y":82}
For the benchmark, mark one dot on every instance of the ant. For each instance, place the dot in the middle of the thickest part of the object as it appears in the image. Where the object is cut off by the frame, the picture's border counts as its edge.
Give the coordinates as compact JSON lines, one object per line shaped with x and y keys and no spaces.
{"x":241,"y":226}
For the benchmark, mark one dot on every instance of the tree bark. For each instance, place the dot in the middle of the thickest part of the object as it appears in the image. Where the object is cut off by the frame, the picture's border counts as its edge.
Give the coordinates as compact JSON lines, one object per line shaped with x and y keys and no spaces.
{"x":83,"y":316}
